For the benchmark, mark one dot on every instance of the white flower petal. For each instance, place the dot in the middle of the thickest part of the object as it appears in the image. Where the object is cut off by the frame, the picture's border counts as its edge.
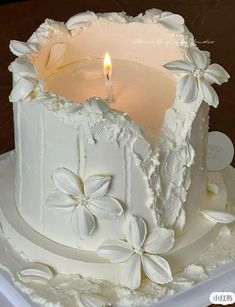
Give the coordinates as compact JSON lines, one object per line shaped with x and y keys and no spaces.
{"x":105,"y":207}
{"x":207,"y":54}
{"x":208,"y":93}
{"x":135,"y":231}
{"x":81,"y":20}
{"x":115,"y":250}
{"x":97,"y":186}
{"x":67,"y":182}
{"x":161,"y":240}
{"x":218,"y":216}
{"x":172,"y":22}
{"x":83,"y":222}
{"x":22,"y":89}
{"x":216,"y":74}
{"x":37,"y":272}
{"x":186,"y":90}
{"x":157,"y":269}
{"x":23,"y":68}
{"x":197,"y":57}
{"x":59,"y":200}
{"x":56,"y":57}
{"x":93,"y":300}
{"x":20,"y":48}
{"x":179,"y":66}
{"x":131,"y":272}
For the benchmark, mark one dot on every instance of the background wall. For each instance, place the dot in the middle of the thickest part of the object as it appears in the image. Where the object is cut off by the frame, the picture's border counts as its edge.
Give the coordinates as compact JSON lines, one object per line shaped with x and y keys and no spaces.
{"x":211,"y":21}
{"x":9,"y":1}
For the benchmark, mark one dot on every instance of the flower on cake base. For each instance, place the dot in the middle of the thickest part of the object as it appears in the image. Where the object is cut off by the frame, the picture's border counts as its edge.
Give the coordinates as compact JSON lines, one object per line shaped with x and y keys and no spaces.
{"x":217,"y":216}
{"x":140,"y":251}
{"x":221,"y":217}
{"x":199,"y":77}
{"x":86,"y":200}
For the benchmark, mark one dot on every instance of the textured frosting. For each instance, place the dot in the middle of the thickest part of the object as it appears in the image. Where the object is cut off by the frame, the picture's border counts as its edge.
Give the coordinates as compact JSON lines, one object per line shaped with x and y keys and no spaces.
{"x":45,"y":285}
{"x":75,"y":147}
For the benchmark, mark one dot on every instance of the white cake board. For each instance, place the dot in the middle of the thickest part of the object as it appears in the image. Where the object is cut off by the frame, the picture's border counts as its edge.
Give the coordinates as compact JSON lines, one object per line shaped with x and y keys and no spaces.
{"x":221,"y":279}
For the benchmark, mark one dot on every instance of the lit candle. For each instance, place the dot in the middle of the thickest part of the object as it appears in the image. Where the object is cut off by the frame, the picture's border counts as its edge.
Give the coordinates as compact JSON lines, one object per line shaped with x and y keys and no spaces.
{"x":108,"y":73}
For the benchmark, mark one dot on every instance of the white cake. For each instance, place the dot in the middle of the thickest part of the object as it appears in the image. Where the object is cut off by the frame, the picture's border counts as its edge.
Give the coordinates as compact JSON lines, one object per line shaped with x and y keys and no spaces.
{"x":101,"y":189}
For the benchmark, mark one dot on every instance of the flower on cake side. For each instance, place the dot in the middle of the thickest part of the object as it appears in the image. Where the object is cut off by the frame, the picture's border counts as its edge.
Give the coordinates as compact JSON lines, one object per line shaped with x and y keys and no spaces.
{"x":200,"y":74}
{"x":86,"y":200}
{"x":138,"y":251}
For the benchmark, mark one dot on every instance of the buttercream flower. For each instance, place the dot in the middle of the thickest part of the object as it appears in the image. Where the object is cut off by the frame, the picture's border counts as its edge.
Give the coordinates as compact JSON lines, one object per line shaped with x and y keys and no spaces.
{"x":224,"y":215}
{"x":138,"y":251}
{"x":216,"y":216}
{"x":171,"y":21}
{"x":86,"y":200}
{"x":200,"y":74}
{"x":80,"y":21}
{"x":27,"y":82}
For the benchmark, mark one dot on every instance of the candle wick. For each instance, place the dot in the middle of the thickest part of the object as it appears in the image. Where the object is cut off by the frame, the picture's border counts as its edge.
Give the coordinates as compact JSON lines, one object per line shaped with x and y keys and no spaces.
{"x":107,"y":76}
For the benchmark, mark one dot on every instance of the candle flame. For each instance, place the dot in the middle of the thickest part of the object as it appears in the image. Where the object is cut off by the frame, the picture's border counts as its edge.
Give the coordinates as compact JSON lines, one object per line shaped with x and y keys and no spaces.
{"x":107,"y":66}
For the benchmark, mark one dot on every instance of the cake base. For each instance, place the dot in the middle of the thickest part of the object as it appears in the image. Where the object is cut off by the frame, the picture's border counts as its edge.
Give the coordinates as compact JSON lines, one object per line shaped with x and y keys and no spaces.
{"x":30,"y":247}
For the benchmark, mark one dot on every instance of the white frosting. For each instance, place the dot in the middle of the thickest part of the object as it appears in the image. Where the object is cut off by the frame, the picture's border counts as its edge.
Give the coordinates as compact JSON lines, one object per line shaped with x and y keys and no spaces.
{"x":161,"y":184}
{"x":39,"y":278}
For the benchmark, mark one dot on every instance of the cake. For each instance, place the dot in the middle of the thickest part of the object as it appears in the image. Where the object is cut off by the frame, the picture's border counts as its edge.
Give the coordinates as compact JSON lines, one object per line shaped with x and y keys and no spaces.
{"x":112,"y":201}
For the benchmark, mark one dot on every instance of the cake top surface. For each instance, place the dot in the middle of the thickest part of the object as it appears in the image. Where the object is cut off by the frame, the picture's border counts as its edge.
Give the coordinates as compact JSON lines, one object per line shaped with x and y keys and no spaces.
{"x":158,"y":33}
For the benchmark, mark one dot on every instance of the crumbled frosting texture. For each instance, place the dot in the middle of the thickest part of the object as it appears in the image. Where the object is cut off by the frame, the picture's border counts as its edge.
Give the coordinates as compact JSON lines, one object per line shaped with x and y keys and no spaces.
{"x":68,"y":290}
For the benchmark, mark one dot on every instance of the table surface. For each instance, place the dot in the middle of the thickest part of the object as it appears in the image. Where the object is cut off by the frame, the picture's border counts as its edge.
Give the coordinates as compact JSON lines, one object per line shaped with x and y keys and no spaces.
{"x":211,"y":22}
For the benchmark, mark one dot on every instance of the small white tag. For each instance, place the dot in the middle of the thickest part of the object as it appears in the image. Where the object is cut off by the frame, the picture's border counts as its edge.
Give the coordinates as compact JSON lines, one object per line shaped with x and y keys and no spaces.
{"x":220,"y":151}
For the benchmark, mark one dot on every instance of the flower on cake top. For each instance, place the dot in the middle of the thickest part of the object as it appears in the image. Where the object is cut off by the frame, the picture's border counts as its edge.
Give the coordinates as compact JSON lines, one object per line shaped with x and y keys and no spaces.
{"x":86,"y":200}
{"x":27,"y":84}
{"x":138,"y":251}
{"x":200,"y":74}
{"x":80,"y":21}
{"x":170,"y":21}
